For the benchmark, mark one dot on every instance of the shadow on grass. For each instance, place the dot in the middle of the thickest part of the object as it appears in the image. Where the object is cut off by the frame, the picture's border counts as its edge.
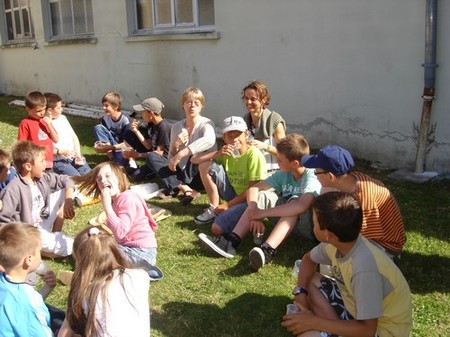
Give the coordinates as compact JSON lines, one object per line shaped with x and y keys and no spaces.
{"x":249,"y":314}
{"x":425,"y":273}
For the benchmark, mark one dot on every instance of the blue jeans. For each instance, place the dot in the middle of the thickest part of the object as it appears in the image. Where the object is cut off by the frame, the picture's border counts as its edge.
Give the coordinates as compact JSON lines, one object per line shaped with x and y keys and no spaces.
{"x":68,"y":167}
{"x":104,"y":135}
{"x":220,"y":178}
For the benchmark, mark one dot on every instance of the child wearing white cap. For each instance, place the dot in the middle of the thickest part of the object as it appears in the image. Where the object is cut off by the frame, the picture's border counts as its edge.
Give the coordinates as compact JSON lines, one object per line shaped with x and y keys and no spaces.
{"x":227,"y":173}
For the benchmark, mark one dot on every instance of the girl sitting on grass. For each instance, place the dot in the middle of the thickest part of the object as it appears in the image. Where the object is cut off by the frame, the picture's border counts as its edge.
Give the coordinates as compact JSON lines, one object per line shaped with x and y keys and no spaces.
{"x":127,"y":214}
{"x":105,"y":290}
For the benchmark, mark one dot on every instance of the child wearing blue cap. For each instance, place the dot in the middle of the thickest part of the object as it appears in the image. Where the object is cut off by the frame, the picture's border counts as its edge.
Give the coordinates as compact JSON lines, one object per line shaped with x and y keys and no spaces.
{"x":382,"y":221}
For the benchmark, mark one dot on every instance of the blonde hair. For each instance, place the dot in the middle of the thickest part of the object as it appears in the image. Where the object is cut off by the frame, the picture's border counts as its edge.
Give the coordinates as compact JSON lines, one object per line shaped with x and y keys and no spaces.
{"x":193,"y":93}
{"x":97,"y":256}
{"x":87,"y":183}
{"x":25,"y":151}
{"x":113,"y":98}
{"x":17,"y":240}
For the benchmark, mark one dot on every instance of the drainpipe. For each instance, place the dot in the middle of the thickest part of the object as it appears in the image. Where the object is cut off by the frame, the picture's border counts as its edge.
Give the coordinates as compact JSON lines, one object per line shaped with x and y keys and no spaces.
{"x":429,"y":81}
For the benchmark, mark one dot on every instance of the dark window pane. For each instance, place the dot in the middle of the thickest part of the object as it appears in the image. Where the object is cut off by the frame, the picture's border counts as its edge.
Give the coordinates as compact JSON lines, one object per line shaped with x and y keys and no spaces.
{"x":56,"y":22}
{"x":26,"y":23}
{"x":66,"y":13}
{"x":7,"y":4}
{"x":144,"y":14}
{"x":79,"y":18}
{"x":9,"y":25}
{"x":206,"y":12}
{"x":17,"y":23}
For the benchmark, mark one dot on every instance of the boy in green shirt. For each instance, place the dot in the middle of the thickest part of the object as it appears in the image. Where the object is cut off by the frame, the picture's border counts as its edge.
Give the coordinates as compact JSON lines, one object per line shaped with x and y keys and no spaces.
{"x":227,"y":173}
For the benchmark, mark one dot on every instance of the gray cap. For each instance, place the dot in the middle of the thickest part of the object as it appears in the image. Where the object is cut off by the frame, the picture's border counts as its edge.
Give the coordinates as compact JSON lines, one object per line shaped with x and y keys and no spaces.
{"x":150,"y":104}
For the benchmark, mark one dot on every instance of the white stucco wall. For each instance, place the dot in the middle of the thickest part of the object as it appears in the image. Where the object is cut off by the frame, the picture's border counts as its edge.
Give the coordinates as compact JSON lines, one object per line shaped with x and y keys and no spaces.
{"x":339,"y":72}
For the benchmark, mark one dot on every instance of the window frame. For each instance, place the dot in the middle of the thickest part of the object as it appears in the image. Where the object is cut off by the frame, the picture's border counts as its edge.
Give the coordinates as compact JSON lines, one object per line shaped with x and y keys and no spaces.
{"x":167,"y":29}
{"x":68,"y":38}
{"x":17,"y":39}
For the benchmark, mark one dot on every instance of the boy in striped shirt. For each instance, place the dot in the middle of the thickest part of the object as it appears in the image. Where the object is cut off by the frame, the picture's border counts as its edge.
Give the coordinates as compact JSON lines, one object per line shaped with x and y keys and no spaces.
{"x":382,"y":221}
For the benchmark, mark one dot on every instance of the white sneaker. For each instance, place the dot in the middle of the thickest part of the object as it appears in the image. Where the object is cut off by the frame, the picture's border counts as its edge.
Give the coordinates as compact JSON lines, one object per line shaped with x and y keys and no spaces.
{"x":206,"y":217}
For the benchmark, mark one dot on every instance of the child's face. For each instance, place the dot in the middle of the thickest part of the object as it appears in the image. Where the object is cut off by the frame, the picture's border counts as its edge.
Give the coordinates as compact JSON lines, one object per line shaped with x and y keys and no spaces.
{"x":192,"y":107}
{"x":107,"y":179}
{"x":37,"y":112}
{"x":110,"y":110}
{"x":252,"y":101}
{"x":56,"y":111}
{"x":38,"y":168}
{"x":236,"y":138}
{"x":36,"y":258}
{"x":285,"y":164}
{"x":4,"y":172}
{"x":323,"y":177}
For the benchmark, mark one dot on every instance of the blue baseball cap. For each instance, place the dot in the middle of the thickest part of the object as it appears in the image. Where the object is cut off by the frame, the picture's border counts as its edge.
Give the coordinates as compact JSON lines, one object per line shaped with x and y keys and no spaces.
{"x":331,"y":158}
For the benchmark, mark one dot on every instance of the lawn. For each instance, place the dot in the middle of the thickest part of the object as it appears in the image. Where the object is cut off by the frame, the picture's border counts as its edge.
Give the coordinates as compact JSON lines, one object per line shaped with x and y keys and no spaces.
{"x":202,"y":295}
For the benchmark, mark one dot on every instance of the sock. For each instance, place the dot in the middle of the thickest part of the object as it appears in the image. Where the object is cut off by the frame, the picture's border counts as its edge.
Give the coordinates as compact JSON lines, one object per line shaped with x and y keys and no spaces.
{"x":234,"y":239}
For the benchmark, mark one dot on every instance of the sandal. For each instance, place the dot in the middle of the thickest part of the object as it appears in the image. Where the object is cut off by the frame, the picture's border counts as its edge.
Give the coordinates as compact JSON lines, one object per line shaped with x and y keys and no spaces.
{"x":188,"y":198}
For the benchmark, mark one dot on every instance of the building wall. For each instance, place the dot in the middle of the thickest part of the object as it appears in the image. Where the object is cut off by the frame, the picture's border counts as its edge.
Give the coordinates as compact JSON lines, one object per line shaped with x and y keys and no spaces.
{"x":347,"y":73}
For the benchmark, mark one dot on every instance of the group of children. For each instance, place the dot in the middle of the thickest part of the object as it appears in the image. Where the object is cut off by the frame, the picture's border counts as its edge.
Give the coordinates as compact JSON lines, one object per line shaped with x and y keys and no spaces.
{"x":354,"y":217}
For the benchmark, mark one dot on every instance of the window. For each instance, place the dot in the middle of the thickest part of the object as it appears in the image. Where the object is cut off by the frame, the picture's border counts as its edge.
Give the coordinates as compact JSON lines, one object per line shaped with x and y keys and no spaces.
{"x":173,"y":16}
{"x":18,"y":22}
{"x":69,"y":18}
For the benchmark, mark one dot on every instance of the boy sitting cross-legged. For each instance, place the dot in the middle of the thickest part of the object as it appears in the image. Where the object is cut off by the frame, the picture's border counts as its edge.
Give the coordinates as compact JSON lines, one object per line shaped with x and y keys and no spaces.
{"x":367,"y":296}
{"x":227,"y":173}
{"x":293,"y":184}
{"x":39,"y":198}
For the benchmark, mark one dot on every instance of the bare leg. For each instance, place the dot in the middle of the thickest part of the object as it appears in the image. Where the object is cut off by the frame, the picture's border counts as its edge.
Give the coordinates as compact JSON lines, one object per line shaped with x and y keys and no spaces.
{"x":208,"y":183}
{"x":281,"y":231}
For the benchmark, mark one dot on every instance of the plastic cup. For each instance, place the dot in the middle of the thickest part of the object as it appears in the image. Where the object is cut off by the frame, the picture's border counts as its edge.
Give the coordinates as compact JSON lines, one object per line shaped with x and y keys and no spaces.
{"x":291,"y":308}
{"x":296,"y":268}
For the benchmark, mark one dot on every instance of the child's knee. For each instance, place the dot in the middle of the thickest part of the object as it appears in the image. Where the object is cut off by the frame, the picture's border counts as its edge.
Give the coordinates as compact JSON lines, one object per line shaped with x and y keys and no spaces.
{"x":216,"y":229}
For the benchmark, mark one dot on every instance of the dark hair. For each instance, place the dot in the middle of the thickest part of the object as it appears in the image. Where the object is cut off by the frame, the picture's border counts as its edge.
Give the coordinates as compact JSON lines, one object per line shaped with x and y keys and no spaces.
{"x":293,"y":146}
{"x":52,"y":100}
{"x":261,"y":89}
{"x":34,"y":99}
{"x":340,"y":213}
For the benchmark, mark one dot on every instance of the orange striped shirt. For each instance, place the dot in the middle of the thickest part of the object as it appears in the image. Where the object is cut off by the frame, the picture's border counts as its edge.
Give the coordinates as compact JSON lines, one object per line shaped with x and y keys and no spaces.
{"x":382,"y":221}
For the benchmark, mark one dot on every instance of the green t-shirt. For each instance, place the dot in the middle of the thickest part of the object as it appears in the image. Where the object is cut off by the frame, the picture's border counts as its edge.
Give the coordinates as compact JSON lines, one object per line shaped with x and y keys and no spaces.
{"x":250,"y":166}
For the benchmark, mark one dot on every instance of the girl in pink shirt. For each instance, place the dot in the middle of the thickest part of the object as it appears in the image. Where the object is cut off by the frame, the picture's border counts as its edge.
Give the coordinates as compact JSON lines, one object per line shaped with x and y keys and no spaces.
{"x":127,"y":214}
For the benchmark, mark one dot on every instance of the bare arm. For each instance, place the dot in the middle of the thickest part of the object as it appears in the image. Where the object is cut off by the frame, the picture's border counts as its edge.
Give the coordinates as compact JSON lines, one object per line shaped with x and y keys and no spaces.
{"x":295,"y":207}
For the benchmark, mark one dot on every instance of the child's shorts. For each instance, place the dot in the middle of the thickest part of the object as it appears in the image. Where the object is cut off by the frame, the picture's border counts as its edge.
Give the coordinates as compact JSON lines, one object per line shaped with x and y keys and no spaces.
{"x":228,"y":219}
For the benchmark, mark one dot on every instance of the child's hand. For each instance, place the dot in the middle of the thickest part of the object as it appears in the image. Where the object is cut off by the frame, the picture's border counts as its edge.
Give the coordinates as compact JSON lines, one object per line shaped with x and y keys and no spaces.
{"x":253,"y":213}
{"x":257,"y":227}
{"x":135,"y":126}
{"x":221,"y":208}
{"x":173,"y":162}
{"x":47,"y":119}
{"x":182,"y":138}
{"x":300,"y":322}
{"x":69,"y":211}
{"x":49,"y":278}
{"x":258,"y":144}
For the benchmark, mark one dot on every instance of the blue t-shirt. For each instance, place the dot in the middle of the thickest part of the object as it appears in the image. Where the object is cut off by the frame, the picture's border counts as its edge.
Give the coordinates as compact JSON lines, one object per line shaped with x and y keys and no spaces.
{"x":22,"y":310}
{"x":285,"y":185}
{"x":11,"y":175}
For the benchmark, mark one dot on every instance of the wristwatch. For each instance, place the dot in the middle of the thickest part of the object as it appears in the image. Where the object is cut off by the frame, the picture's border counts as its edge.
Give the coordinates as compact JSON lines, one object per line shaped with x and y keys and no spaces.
{"x":299,"y":290}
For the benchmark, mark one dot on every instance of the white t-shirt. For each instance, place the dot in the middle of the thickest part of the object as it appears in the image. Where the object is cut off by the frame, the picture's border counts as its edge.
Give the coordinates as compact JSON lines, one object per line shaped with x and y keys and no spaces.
{"x":127,"y":312}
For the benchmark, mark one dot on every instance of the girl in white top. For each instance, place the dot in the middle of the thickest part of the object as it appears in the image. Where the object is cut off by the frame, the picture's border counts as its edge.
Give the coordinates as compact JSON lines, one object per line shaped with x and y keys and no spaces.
{"x":107,"y":296}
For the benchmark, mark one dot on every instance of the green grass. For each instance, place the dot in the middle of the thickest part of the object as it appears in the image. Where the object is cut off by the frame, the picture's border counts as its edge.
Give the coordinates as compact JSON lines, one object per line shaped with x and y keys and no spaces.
{"x":202,"y":295}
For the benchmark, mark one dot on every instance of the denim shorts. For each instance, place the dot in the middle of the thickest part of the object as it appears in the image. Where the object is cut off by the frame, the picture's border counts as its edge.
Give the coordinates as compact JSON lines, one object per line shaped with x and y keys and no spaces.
{"x":142,"y":257}
{"x":228,"y":219}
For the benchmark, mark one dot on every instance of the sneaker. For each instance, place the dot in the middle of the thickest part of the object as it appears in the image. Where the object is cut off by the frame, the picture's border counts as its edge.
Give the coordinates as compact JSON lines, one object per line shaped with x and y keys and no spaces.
{"x":218,"y":244}
{"x":259,"y":256}
{"x":206,"y":217}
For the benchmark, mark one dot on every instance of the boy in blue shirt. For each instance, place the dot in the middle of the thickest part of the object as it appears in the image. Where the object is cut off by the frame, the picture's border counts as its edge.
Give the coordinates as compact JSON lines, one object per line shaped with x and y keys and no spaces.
{"x":22,"y":309}
{"x":292,"y":183}
{"x":228,"y":173}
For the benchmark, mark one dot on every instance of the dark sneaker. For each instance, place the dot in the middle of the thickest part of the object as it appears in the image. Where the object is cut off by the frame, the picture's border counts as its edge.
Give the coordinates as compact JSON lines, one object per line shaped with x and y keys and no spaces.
{"x":206,"y":217}
{"x":218,"y":245}
{"x":260,"y":256}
